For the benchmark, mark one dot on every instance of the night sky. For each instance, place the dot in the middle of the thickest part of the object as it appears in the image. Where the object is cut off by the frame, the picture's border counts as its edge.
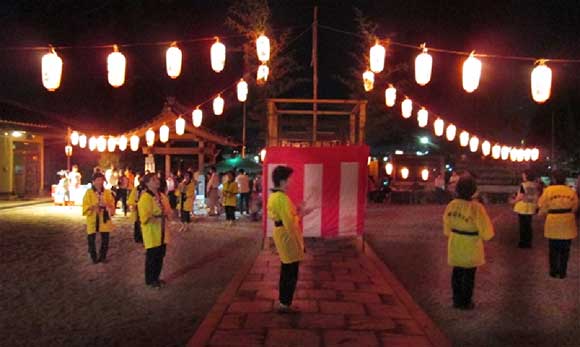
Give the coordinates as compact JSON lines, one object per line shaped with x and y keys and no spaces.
{"x":501,"y":108}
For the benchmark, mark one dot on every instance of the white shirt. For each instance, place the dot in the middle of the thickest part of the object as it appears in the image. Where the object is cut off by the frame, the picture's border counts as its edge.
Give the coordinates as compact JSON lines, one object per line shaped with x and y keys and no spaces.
{"x":243,"y":182}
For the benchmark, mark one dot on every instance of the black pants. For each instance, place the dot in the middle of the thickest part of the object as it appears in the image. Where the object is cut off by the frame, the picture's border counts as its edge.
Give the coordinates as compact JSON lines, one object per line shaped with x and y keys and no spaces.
{"x":245,"y":202}
{"x":137,"y":232}
{"x":172,"y":199}
{"x":93,"y":249}
{"x":462,"y":282}
{"x":230,"y":212}
{"x":288,"y":280}
{"x":559,"y":255}
{"x":122,"y":195}
{"x":526,"y":234}
{"x":185,"y":216}
{"x":154,"y":264}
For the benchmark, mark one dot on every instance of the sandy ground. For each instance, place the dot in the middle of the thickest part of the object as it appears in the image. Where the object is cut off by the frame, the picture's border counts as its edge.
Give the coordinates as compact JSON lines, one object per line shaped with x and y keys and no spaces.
{"x":518,"y":304}
{"x":51,"y":294}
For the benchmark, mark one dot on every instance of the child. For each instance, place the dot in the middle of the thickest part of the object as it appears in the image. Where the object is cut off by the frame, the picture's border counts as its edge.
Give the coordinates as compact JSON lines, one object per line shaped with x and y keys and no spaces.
{"x":467,"y":225}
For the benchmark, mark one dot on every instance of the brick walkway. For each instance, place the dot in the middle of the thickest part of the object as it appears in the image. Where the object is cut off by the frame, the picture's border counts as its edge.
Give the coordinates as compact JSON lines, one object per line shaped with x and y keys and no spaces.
{"x":345,"y":298}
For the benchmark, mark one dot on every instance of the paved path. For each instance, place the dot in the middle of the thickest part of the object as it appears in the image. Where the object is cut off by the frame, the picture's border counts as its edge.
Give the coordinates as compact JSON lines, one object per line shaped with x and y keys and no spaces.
{"x":345,"y":298}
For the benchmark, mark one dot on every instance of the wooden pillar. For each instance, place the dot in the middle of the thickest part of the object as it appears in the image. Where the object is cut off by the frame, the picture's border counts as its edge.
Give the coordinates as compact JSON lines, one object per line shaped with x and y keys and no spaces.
{"x":272,"y":125}
{"x":352,"y":128}
{"x":362,"y":122}
{"x":167,"y":162}
{"x":201,"y":156}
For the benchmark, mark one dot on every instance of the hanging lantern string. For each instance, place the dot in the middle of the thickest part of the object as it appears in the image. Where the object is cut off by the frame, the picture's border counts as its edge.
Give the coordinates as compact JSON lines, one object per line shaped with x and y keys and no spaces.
{"x":455,"y":52}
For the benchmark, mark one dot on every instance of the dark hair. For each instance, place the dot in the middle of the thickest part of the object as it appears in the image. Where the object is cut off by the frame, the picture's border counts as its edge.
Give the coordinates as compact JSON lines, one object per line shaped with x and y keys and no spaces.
{"x":530,"y":176}
{"x":281,"y":173}
{"x":466,"y":187}
{"x":147,"y":178}
{"x":212,"y":169}
{"x":242,"y":171}
{"x":98,"y":175}
{"x":559,"y":177}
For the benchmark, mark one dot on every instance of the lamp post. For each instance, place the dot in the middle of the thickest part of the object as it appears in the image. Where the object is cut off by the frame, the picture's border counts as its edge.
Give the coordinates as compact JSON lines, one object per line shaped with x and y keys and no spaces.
{"x":68,"y":152}
{"x":244,"y":131}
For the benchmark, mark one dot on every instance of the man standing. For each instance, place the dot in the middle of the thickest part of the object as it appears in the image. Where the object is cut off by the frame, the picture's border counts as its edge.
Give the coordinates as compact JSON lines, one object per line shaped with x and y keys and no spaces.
{"x":98,"y":207}
{"x":186,"y":194}
{"x":243,"y":182}
{"x":212,"y":192}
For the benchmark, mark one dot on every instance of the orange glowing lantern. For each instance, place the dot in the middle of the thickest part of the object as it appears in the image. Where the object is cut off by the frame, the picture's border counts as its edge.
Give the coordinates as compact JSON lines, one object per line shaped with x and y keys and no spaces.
{"x":389,"y":168}
{"x":74,"y":138}
{"x":422,"y":117}
{"x":486,"y":148}
{"x":535,"y":154}
{"x":377,"y":58}
{"x":407,"y":108}
{"x":527,"y":154}
{"x":180,"y":126}
{"x":368,"y":80}
{"x":218,"y":105}
{"x":439,"y":127}
{"x":471,"y":73}
{"x":82,"y":141}
{"x":111,"y":143}
{"x":451,"y":132}
{"x":423,"y":67}
{"x":150,"y":137}
{"x":520,"y":155}
{"x":505,"y":152}
{"x":122,"y":142}
{"x":263,"y":48}
{"x":390,"y":96}
{"x":197,"y":117}
{"x":164,"y":133}
{"x":473,"y":144}
{"x":173,"y":58}
{"x":404,"y":173}
{"x":51,"y":70}
{"x":218,"y":55}
{"x":262,"y":74}
{"x":242,"y":90}
{"x":464,"y":139}
{"x":116,"y":64}
{"x":101,"y":144}
{"x":541,"y":82}
{"x":425,"y":174}
{"x":134,"y":143}
{"x":92,"y":143}
{"x":513,"y":154}
{"x":263,"y":154}
{"x":496,"y":151}
{"x":68,"y":150}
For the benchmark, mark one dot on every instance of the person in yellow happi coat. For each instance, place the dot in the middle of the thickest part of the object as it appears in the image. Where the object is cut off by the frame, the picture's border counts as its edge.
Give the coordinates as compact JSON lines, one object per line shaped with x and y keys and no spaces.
{"x":132,"y":201}
{"x":526,"y":207}
{"x":467,"y":225}
{"x":154,"y":213}
{"x":229,"y":192}
{"x":559,"y":202}
{"x":287,"y":235}
{"x":98,"y":207}
{"x":185,"y":194}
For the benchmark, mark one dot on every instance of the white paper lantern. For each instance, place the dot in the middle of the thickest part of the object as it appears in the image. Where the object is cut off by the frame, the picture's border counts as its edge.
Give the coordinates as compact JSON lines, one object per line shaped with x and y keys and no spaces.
{"x":505,"y":152}
{"x":82,"y":141}
{"x":134,"y":143}
{"x":150,"y":137}
{"x":101,"y":144}
{"x":180,"y":126}
{"x":74,"y":138}
{"x":263,"y":48}
{"x":423,"y":67}
{"x":218,"y":56}
{"x":486,"y":148}
{"x":404,"y":173}
{"x":262,"y":74}
{"x":173,"y":59}
{"x":164,"y":133}
{"x":111,"y":143}
{"x":451,"y":132}
{"x":496,"y":151}
{"x":389,"y":168}
{"x":513,"y":154}
{"x":51,"y":70}
{"x":422,"y":117}
{"x":263,"y":154}
{"x":520,"y":155}
{"x":218,"y":105}
{"x":464,"y":139}
{"x":368,"y":80}
{"x":197,"y":117}
{"x":390,"y":96}
{"x":116,"y":64}
{"x":439,"y":127}
{"x":527,"y":154}
{"x":425,"y":174}
{"x":407,"y":108}
{"x":377,"y":58}
{"x":68,"y":150}
{"x":471,"y":73}
{"x":92,"y":143}
{"x":242,"y":90}
{"x":541,"y":82}
{"x":122,"y":142}
{"x":473,"y":144}
{"x":535,"y":154}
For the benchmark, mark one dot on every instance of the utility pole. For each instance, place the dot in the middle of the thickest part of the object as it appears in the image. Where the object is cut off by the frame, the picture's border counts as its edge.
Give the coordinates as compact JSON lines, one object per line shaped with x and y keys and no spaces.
{"x":244,"y":131}
{"x":315,"y":74}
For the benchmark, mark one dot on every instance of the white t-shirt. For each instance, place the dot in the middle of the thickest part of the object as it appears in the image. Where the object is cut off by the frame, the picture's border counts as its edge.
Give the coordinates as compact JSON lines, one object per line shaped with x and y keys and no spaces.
{"x":243,"y":182}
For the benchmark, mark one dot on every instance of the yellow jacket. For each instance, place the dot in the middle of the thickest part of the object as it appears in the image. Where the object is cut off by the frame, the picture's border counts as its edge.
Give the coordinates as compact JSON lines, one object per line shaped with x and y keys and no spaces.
{"x":527,"y":199}
{"x":150,"y":214}
{"x":229,"y":191}
{"x":90,"y":203}
{"x":187,"y":198}
{"x":466,"y":216}
{"x":132,"y":201}
{"x":288,"y":237}
{"x":560,"y":226}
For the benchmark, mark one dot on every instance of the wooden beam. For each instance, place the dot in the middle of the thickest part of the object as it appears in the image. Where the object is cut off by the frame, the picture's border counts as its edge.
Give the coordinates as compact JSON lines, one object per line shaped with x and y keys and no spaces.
{"x":322,"y":113}
{"x":318,"y":101}
{"x":173,"y":150}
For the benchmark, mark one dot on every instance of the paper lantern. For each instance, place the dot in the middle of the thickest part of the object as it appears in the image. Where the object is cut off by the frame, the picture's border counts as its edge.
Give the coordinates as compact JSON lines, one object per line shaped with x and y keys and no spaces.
{"x":173,"y":59}
{"x":180,"y":126}
{"x":101,"y":144}
{"x":263,"y":48}
{"x":541,"y":82}
{"x":263,"y":154}
{"x":92,"y":143}
{"x":520,"y":155}
{"x":535,"y":154}
{"x":527,"y":154}
{"x":486,"y":148}
{"x":389,"y":168}
{"x":423,"y":67}
{"x":390,"y":96}
{"x":111,"y":143}
{"x":451,"y":132}
{"x":404,"y":173}
{"x":464,"y":139}
{"x":82,"y":141}
{"x":439,"y":127}
{"x":116,"y":64}
{"x":68,"y":150}
{"x":496,"y":151}
{"x":134,"y":143}
{"x":471,"y":73}
{"x":473,"y":144}
{"x":197,"y":117}
{"x":122,"y":142}
{"x":242,"y":90}
{"x":377,"y":58}
{"x":368,"y":80}
{"x":74,"y":138}
{"x":262,"y":74}
{"x":422,"y":117}
{"x":218,"y":105}
{"x":425,"y":174}
{"x":407,"y":108}
{"x":51,"y":70}
{"x":164,"y":133}
{"x":150,"y":137}
{"x":513,"y":154}
{"x":218,"y":55}
{"x":505,"y":152}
